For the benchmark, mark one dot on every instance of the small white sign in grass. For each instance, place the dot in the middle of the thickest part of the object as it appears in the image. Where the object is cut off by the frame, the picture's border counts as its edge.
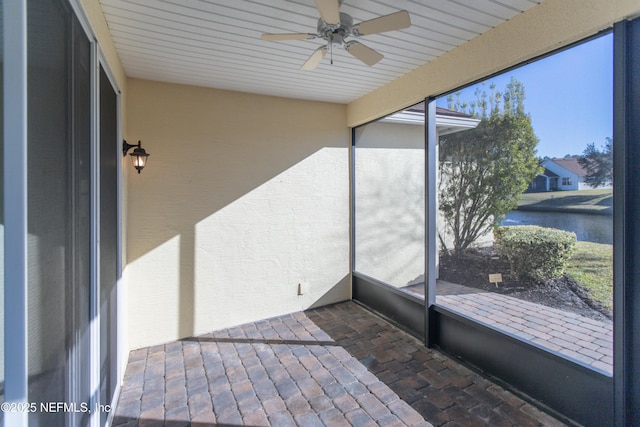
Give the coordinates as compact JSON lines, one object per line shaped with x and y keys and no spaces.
{"x":495,"y":278}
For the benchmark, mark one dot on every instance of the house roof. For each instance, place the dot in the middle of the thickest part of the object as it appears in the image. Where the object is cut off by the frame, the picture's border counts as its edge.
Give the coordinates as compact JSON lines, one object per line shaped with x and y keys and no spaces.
{"x":440,"y":111}
{"x":447,"y":121}
{"x":571,"y":164}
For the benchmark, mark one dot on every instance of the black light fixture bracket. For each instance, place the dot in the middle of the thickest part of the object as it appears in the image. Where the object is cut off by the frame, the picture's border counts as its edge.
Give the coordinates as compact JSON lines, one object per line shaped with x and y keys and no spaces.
{"x":126,"y":146}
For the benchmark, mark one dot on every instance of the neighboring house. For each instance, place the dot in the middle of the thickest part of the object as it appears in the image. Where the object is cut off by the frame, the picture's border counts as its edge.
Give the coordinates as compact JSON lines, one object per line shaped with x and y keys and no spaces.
{"x":545,"y":181}
{"x":570,"y":174}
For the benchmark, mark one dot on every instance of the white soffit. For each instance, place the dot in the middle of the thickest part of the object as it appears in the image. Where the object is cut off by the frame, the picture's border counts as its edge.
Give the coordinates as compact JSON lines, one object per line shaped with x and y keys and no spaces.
{"x":445,"y":123}
{"x":216,"y":43}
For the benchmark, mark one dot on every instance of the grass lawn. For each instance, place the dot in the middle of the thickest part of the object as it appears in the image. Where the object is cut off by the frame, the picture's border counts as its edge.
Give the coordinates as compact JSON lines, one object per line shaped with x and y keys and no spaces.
{"x":582,"y":201}
{"x":592,"y":266}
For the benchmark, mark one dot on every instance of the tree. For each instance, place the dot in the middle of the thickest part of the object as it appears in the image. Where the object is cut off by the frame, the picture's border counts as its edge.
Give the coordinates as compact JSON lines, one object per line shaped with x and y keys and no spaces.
{"x":599,"y":164}
{"x":484,"y":171}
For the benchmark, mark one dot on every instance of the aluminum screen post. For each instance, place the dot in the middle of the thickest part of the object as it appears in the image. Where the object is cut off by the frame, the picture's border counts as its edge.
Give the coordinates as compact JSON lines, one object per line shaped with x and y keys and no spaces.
{"x":431,"y":209}
{"x":626,"y":261}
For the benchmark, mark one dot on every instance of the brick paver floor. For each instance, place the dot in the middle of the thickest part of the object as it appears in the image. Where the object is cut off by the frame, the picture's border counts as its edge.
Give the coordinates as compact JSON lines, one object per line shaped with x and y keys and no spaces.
{"x":580,"y":338}
{"x":335,"y":365}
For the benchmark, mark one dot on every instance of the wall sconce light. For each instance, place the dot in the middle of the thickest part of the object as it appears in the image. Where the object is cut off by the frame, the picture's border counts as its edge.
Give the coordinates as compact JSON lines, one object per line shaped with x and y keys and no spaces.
{"x":138,"y":157}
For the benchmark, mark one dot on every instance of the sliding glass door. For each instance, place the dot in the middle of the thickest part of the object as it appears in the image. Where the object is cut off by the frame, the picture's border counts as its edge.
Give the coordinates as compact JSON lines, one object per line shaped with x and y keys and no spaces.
{"x":59,"y":210}
{"x":109,"y":267}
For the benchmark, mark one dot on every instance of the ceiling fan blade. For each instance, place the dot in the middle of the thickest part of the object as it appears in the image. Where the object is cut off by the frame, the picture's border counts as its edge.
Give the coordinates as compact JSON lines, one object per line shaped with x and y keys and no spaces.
{"x":364,"y":53}
{"x":394,"y":21}
{"x":315,"y":58}
{"x":329,"y":11}
{"x":288,"y":36}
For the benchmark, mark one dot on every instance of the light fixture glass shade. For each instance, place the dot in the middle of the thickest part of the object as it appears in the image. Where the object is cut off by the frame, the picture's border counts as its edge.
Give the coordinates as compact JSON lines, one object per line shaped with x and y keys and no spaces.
{"x":139,"y":158}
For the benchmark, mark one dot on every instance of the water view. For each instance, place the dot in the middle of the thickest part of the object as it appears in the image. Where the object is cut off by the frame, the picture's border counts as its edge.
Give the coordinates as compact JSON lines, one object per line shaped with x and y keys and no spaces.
{"x":588,"y":227}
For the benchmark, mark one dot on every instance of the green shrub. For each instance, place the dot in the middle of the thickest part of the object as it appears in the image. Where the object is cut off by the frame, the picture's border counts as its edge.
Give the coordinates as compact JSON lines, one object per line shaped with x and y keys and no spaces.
{"x":535,"y":252}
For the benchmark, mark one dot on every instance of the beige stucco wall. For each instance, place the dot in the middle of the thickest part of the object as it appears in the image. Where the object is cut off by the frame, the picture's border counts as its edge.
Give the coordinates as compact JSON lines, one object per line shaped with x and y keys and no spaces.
{"x":541,"y":29}
{"x":244,"y":197}
{"x":389,"y":167}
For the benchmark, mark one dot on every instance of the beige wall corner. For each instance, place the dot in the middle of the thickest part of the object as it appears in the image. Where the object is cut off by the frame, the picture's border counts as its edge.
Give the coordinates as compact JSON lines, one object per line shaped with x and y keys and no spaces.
{"x":541,"y":29}
{"x":244,"y":198}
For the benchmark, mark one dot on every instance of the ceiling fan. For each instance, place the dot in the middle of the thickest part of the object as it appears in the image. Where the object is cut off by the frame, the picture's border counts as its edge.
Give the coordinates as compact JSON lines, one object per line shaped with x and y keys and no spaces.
{"x":335,"y":27}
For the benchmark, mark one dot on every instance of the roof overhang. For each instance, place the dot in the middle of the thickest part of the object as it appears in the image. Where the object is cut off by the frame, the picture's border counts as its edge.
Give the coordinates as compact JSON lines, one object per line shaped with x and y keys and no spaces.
{"x":445,"y":124}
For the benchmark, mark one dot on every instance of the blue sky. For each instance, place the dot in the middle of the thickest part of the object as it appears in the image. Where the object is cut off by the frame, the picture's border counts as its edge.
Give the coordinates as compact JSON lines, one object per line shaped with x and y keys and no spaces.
{"x":569,"y":96}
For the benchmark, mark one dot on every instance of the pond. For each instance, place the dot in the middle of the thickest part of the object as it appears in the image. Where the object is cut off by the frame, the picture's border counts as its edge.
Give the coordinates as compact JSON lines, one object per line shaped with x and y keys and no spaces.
{"x":588,"y":228}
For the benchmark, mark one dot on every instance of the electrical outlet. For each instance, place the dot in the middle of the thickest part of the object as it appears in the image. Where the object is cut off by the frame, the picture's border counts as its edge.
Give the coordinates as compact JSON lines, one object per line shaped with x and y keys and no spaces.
{"x":303,"y":288}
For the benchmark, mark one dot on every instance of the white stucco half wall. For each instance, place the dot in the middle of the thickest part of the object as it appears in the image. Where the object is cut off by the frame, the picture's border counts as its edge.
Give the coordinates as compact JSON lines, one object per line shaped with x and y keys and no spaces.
{"x":389,"y":178}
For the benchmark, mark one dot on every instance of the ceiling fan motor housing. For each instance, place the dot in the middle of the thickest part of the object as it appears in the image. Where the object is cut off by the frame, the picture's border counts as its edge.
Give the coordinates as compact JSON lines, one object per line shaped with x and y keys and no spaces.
{"x":335,"y":34}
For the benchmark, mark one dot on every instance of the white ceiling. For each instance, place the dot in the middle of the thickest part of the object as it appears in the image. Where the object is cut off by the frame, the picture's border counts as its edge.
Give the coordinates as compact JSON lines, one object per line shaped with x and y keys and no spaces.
{"x":216,"y":43}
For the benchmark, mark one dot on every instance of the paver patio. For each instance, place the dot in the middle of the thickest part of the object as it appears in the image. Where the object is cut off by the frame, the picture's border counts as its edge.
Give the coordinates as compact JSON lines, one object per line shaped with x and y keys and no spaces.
{"x":335,"y":365}
{"x":580,"y":338}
